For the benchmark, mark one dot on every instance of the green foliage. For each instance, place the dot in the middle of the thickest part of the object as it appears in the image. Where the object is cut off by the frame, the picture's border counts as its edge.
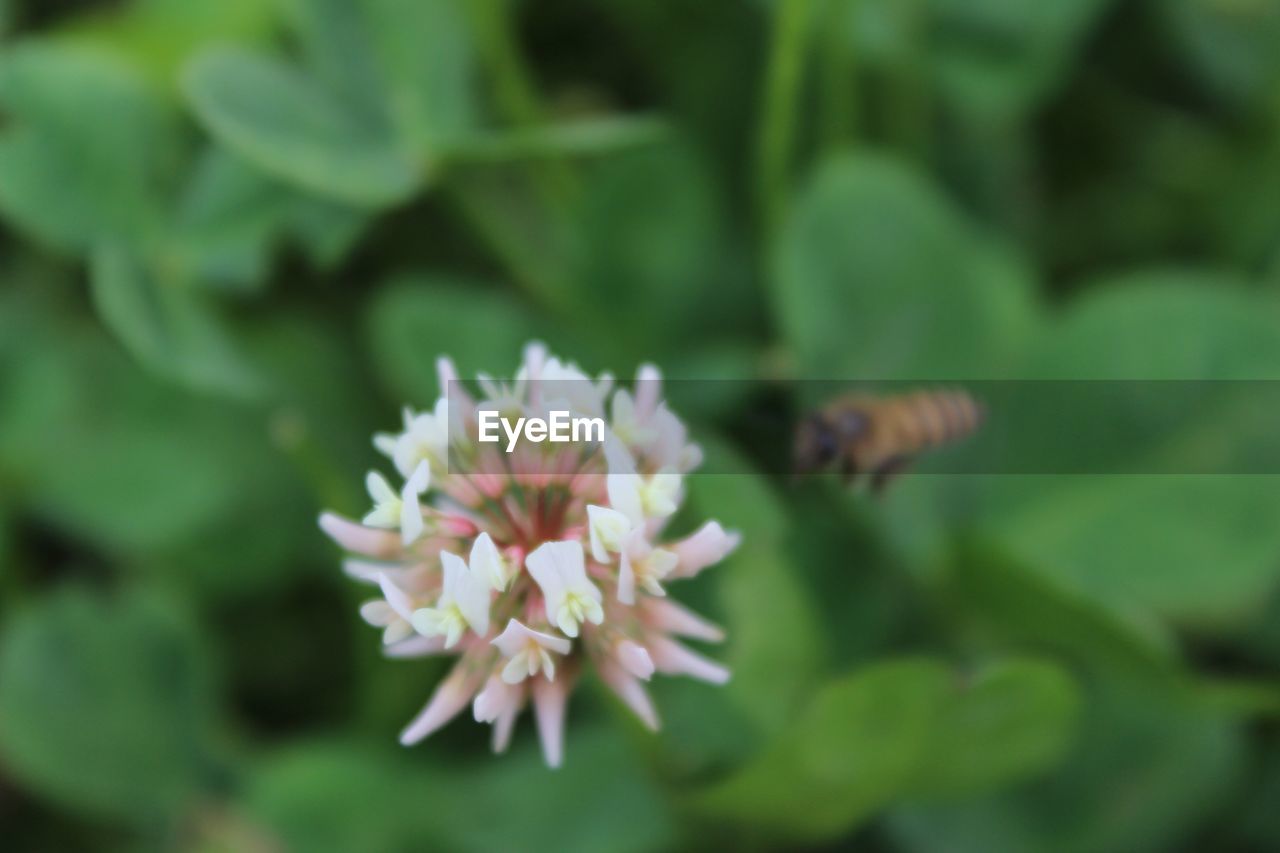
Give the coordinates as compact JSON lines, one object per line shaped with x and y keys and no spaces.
{"x":877,"y":277}
{"x":164,"y":324}
{"x":236,"y":235}
{"x":86,"y":148}
{"x":899,"y":729}
{"x":291,"y":127}
{"x":105,"y":704}
{"x":1146,"y":774}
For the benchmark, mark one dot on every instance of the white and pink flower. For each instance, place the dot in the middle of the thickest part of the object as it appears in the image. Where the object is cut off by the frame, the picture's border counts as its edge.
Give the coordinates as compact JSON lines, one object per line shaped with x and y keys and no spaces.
{"x":566,"y":564}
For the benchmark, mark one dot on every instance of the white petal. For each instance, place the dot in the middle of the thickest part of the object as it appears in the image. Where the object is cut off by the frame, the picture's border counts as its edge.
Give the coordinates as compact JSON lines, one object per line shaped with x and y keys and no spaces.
{"x":420,"y":480}
{"x":385,"y":444}
{"x":473,"y":600}
{"x":377,"y":613}
{"x":517,"y":636}
{"x":384,"y":515}
{"x":455,"y":571}
{"x":545,"y":565}
{"x":410,"y":521}
{"x":624,"y":496}
{"x":516,"y":669}
{"x":396,"y":632}
{"x":609,"y":530}
{"x":397,"y":599}
{"x":379,"y":489}
{"x":487,"y":562}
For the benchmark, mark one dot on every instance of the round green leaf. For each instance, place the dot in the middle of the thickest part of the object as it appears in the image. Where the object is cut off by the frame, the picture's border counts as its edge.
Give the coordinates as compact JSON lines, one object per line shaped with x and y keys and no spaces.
{"x":291,"y":127}
{"x":878,"y":278}
{"x":845,"y":756}
{"x":105,"y":705}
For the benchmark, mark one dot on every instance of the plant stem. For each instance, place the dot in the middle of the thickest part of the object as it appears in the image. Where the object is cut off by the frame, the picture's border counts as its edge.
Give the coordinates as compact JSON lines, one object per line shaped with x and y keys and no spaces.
{"x":783,"y":77}
{"x":839,"y":78}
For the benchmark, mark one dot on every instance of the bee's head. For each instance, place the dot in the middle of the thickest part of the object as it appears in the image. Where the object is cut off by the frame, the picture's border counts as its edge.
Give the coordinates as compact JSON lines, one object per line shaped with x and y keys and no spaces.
{"x":816,"y":445}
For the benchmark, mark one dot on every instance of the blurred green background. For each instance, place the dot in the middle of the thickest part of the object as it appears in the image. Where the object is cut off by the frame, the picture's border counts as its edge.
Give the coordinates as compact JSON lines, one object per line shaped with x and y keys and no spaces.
{"x":235,"y":234}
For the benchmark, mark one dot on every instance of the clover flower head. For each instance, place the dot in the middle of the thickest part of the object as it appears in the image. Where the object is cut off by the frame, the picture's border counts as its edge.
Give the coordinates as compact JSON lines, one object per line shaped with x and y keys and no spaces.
{"x":565,"y":567}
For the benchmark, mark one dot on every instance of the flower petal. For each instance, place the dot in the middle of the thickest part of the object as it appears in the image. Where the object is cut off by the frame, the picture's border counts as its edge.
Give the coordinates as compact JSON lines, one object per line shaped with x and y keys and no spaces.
{"x":674,"y":659}
{"x":397,"y":598}
{"x":356,"y":537}
{"x":710,"y":544}
{"x":632,"y":694}
{"x":450,"y":697}
{"x":516,"y":636}
{"x":672,"y":618}
{"x":487,"y":562}
{"x":549,"y":701}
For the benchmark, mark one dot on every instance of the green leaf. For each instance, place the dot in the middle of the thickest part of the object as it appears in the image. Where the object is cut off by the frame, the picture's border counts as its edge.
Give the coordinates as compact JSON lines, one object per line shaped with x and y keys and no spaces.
{"x":1198,"y":549}
{"x":775,"y":653}
{"x":1148,"y":770}
{"x":325,"y":797}
{"x":409,"y":63}
{"x":1016,"y":605}
{"x":86,"y":151}
{"x":290,"y":126}
{"x":516,"y":803}
{"x":424,"y":52}
{"x":899,"y":729}
{"x":337,"y":797}
{"x":1231,"y":46}
{"x":877,"y":277}
{"x":1012,"y":720}
{"x":157,"y":36}
{"x":416,"y":319}
{"x":848,"y":754}
{"x":1003,"y":57}
{"x":649,"y":299}
{"x":105,"y":705}
{"x":231,"y":218}
{"x":82,"y":443}
{"x":1143,"y":544}
{"x":1163,"y":324}
{"x":167,"y":326}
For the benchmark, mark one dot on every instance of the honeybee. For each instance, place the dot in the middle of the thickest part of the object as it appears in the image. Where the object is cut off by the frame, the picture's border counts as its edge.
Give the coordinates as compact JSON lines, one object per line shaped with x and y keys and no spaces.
{"x":880,"y":436}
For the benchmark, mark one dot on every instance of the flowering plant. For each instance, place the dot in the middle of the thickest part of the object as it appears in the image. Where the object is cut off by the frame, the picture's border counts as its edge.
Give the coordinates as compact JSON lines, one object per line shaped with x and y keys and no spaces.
{"x":532,"y":569}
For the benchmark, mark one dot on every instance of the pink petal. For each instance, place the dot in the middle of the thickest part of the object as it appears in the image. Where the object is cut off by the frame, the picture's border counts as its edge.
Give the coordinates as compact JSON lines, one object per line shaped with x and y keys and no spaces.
{"x":549,"y":701}
{"x":634,"y":658}
{"x":450,"y":697}
{"x":626,"y":580}
{"x":632,"y":694}
{"x":709,"y":545}
{"x":674,"y":659}
{"x":502,"y":728}
{"x":672,"y":618}
{"x":356,"y":537}
{"x":415,"y":647}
